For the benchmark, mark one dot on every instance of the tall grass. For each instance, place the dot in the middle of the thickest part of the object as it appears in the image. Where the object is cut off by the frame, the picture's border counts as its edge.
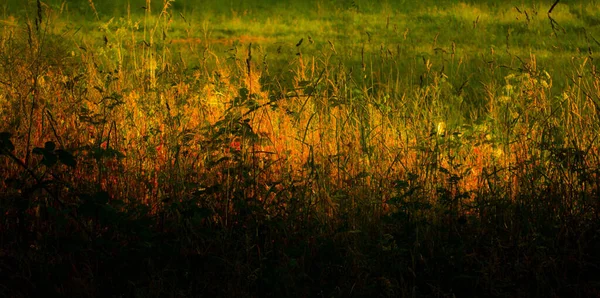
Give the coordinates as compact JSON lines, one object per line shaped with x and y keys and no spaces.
{"x":333,"y":169}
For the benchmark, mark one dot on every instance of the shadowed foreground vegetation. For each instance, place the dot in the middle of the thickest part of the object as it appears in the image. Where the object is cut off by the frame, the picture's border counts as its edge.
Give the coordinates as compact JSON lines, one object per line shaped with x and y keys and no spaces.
{"x":360,"y":151}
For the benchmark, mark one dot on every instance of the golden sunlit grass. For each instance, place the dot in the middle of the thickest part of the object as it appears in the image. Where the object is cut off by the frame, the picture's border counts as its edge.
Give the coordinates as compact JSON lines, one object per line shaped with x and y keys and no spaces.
{"x":362,"y":167}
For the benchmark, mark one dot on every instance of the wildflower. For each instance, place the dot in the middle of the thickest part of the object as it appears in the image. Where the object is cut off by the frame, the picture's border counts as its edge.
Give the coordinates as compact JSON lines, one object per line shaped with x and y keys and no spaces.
{"x":545,"y":84}
{"x":498,"y":153}
{"x":235,"y":145}
{"x":504,"y":99}
{"x":441,"y":128}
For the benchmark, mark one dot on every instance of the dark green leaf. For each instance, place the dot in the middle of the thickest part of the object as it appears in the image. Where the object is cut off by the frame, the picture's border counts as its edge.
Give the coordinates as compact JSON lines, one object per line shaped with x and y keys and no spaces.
{"x":304,"y":83}
{"x":87,"y":209}
{"x":5,"y":143}
{"x":361,"y":175}
{"x":309,"y":90}
{"x":50,"y":146}
{"x":243,"y":94}
{"x":444,"y":170}
{"x":400,"y":184}
{"x":107,"y":214}
{"x":38,"y":151}
{"x":49,"y":159}
{"x":66,"y":158}
{"x":101,"y":197}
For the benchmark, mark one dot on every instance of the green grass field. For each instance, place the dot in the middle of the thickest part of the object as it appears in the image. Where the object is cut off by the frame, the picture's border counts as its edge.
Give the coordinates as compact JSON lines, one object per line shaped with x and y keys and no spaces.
{"x":299,"y":149}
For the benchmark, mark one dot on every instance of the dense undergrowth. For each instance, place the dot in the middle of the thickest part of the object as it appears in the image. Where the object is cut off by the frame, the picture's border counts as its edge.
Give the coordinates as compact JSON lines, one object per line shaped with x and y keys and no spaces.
{"x":129,"y":170}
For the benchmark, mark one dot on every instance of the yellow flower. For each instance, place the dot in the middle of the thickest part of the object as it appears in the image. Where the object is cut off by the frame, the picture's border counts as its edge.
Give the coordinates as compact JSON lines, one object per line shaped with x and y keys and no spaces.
{"x":504,"y":99}
{"x":545,"y":84}
{"x":441,"y":128}
{"x":498,"y":153}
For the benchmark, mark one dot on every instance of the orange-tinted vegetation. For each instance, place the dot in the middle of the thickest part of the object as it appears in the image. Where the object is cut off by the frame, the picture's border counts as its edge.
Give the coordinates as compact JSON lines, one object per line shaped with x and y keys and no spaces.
{"x":155,"y":166}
